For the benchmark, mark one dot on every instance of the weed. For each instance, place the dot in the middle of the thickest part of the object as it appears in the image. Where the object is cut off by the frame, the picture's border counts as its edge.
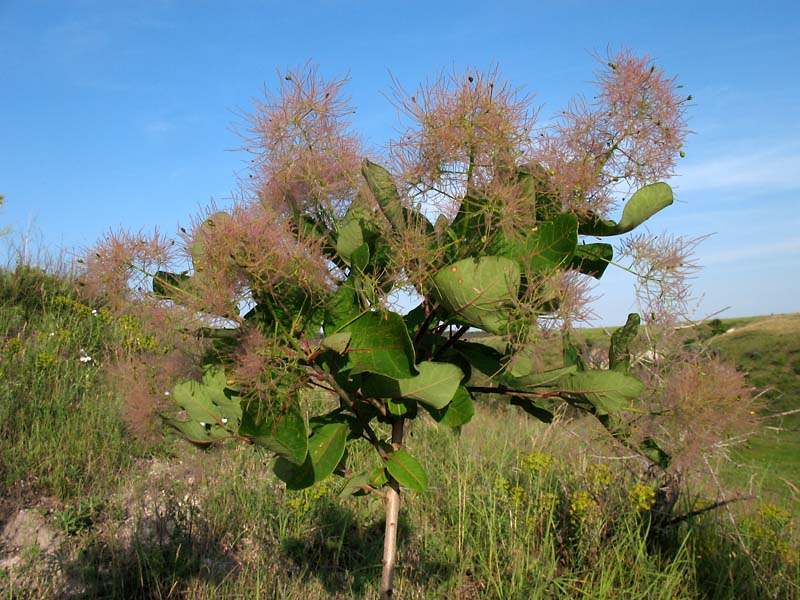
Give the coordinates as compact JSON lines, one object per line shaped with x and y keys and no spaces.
{"x":80,"y":517}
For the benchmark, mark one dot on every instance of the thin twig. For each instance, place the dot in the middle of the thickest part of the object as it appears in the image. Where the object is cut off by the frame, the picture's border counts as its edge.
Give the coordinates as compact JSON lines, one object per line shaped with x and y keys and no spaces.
{"x":452,"y":340}
{"x":706,"y":509}
{"x":780,"y":414}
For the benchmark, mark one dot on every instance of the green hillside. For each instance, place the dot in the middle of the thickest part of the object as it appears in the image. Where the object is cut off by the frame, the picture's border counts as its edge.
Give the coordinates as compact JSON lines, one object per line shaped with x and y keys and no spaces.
{"x":768,"y":350}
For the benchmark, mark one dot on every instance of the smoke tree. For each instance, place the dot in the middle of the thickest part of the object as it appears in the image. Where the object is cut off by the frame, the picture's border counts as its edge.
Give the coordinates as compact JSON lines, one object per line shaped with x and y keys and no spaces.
{"x":474,"y":216}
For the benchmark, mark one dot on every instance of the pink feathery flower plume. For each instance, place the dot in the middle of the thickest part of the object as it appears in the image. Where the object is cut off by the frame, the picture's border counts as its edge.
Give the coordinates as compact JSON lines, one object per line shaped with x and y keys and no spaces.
{"x":630,"y":133}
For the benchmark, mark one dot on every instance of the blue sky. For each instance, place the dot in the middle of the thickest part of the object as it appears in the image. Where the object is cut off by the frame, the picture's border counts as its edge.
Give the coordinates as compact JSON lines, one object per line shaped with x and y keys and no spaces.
{"x":124,"y":113}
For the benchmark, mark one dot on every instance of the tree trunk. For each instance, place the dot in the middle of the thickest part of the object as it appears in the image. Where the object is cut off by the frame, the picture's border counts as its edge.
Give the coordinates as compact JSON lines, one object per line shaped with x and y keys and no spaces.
{"x":392,"y":513}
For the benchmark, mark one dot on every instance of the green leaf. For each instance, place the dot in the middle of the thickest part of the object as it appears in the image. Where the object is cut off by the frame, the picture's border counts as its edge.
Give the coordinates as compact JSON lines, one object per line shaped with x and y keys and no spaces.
{"x":379,"y":343}
{"x":296,"y":477}
{"x":571,"y":355}
{"x":607,"y":391}
{"x":542,"y":379}
{"x":214,"y":411}
{"x":654,"y":452}
{"x":549,"y":246}
{"x":524,"y":361}
{"x":402,"y":407}
{"x":360,"y":258}
{"x":406,"y":470}
{"x":287,"y":307}
{"x":537,"y":186}
{"x":415,"y":318}
{"x":643,"y":204}
{"x":357,"y":485}
{"x":479,"y":291}
{"x":459,"y":412}
{"x":484,"y":358}
{"x":325,"y":449}
{"x":378,"y":478}
{"x":351,"y":233}
{"x":435,"y":385}
{"x":533,"y":407}
{"x":619,"y":356}
{"x":359,"y":241}
{"x":476,"y":216}
{"x":199,"y":433}
{"x":602,"y":391}
{"x":382,"y":186}
{"x":380,"y":183}
{"x":284,"y":433}
{"x":553,"y":243}
{"x":592,"y":259}
{"x":335,"y":416}
{"x":338,"y":342}
{"x":209,"y":400}
{"x":170,"y":285}
{"x":342,"y":306}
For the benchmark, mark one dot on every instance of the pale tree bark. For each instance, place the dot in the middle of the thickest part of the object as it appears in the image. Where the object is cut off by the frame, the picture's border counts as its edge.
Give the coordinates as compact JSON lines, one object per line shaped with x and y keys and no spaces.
{"x":392,"y":514}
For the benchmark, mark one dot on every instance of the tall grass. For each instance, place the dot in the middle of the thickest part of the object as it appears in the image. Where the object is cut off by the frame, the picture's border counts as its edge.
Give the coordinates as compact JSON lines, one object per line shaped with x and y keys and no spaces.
{"x":59,"y":424}
{"x":515,"y":510}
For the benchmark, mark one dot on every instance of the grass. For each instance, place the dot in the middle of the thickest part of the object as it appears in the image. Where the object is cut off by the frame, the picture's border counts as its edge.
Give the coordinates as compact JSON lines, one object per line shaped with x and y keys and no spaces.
{"x":60,"y":426}
{"x":515,"y":509}
{"x":768,"y":350}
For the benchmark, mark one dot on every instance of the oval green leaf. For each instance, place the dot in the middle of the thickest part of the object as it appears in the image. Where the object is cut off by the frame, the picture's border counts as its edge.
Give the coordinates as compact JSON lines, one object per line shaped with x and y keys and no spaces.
{"x":296,"y":477}
{"x":459,"y":412}
{"x":326,"y":447}
{"x":284,"y":433}
{"x":407,"y":471}
{"x":435,"y":385}
{"x":379,"y":343}
{"x":646,"y":202}
{"x":607,"y":391}
{"x":479,"y":291}
{"x":592,"y":259}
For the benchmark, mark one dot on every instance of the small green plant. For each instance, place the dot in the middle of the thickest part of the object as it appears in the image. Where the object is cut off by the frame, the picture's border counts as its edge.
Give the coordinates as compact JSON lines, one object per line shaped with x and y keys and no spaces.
{"x":79,"y":517}
{"x":770,"y":531}
{"x":717,"y":327}
{"x":488,"y":228}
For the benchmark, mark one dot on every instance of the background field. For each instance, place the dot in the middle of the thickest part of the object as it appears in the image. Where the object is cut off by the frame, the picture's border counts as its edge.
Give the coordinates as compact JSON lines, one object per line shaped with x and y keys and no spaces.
{"x":516,"y":509}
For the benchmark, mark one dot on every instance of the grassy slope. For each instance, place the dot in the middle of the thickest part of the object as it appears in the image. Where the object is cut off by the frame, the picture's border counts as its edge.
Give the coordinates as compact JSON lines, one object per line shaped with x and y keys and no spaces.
{"x":768,"y":350}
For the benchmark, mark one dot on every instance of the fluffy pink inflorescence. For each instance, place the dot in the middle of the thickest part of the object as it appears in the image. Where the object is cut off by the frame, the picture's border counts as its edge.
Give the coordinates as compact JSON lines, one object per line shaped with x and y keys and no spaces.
{"x":120,"y":267}
{"x":631,"y":133}
{"x":665,"y":265}
{"x":306,"y":158}
{"x":460,"y":130}
{"x":700,"y":406}
{"x":252,"y":250}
